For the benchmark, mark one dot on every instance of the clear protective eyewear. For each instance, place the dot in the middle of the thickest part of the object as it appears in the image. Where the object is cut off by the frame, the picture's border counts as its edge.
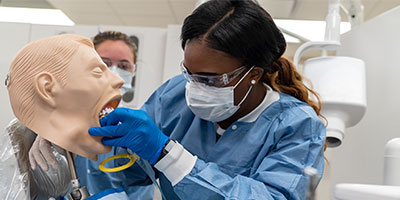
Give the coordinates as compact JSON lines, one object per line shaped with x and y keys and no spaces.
{"x":216,"y":81}
{"x":122,"y":64}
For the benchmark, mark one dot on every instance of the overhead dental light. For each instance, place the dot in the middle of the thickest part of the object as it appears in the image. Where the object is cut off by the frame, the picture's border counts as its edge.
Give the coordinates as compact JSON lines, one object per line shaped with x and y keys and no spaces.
{"x":309,"y":30}
{"x":340,"y":81}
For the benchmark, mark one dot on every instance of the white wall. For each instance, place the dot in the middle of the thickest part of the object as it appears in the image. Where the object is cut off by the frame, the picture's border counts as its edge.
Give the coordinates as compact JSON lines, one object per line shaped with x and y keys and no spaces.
{"x":42,"y":31}
{"x":360,"y":158}
{"x":173,"y":53}
{"x":12,"y":38}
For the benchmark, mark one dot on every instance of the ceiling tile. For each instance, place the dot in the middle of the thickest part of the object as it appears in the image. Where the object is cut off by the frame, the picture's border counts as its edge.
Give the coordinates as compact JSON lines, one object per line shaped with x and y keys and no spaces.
{"x":163,"y":12}
{"x":26,"y":3}
{"x":154,"y":21}
{"x":94,"y":19}
{"x":381,"y":7}
{"x":278,"y":8}
{"x":311,"y":10}
{"x":99,"y":7}
{"x":368,"y":7}
{"x":141,"y":7}
{"x":182,"y":8}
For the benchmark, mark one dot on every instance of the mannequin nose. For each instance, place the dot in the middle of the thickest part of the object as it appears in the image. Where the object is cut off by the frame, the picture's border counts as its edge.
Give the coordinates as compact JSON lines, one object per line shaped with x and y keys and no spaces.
{"x":116,"y":81}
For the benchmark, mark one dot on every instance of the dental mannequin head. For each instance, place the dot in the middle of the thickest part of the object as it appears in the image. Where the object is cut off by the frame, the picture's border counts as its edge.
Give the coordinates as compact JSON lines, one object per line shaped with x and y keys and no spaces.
{"x":57,"y":88}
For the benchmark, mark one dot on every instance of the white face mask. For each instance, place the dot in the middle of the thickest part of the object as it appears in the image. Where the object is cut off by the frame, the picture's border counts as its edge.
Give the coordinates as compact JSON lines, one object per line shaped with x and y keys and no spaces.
{"x":212,"y":103}
{"x":126,"y":76}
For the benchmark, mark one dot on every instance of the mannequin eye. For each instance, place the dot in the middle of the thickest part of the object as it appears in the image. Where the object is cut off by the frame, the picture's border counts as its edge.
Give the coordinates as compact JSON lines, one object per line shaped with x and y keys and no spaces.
{"x":107,"y":61}
{"x":97,"y":71}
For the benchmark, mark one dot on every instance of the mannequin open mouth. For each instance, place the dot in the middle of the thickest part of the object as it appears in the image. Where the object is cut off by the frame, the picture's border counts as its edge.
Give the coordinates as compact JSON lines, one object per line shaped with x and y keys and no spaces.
{"x":109,"y":107}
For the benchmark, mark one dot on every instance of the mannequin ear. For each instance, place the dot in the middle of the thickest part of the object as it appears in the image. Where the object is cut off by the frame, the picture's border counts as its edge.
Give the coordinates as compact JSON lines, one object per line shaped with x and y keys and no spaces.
{"x":45,"y":86}
{"x":256,"y":74}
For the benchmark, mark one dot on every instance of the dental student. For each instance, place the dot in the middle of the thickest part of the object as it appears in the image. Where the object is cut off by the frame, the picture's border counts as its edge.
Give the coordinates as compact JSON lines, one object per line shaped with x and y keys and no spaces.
{"x":237,"y":124}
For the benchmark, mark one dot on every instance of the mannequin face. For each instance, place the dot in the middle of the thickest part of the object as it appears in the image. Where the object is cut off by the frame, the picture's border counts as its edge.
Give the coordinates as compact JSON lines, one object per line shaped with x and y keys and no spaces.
{"x":89,"y":88}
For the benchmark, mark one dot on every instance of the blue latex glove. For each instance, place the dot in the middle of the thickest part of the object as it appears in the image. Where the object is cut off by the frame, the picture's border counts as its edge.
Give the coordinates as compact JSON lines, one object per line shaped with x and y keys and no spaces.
{"x":133,"y":129}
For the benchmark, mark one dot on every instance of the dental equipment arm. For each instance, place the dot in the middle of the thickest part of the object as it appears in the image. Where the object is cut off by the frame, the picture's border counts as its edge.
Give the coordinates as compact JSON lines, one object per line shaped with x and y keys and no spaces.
{"x":340,"y":81}
{"x":77,"y":192}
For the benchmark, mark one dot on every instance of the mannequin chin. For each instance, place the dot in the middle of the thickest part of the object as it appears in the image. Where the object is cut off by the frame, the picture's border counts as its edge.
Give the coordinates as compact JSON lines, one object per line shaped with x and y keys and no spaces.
{"x":58,"y":86}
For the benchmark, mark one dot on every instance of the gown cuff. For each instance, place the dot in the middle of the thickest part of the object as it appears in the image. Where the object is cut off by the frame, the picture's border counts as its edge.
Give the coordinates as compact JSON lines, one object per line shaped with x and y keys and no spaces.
{"x":176,"y":164}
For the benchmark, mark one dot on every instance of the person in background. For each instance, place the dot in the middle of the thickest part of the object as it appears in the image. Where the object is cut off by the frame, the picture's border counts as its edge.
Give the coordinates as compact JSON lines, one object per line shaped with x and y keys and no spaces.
{"x":119,"y":53}
{"x":239,"y":123}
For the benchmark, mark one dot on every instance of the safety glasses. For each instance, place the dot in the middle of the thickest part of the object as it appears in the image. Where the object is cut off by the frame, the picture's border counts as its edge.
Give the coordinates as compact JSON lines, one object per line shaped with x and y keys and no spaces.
{"x":216,"y":81}
{"x":124,"y":65}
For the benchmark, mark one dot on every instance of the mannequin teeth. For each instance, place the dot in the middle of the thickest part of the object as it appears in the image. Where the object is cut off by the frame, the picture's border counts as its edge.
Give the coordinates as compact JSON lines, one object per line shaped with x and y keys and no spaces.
{"x":106,"y":110}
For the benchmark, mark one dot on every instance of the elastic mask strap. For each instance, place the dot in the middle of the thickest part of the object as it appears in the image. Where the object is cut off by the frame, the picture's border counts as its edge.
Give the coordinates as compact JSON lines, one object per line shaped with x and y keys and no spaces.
{"x":243,"y":77}
{"x":245,"y":96}
{"x":248,"y":91}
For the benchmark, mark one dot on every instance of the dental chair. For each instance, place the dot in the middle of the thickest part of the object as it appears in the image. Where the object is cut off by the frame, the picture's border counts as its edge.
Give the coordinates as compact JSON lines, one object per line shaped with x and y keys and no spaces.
{"x":18,"y":180}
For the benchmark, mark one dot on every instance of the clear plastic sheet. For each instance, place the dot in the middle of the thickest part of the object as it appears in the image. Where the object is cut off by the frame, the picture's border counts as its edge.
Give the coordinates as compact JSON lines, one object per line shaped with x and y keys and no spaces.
{"x":14,"y":181}
{"x":18,"y":180}
{"x":53,"y":182}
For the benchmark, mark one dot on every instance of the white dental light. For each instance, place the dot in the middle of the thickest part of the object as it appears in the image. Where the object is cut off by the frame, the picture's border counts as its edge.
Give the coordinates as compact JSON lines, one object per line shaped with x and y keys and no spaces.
{"x":340,"y":81}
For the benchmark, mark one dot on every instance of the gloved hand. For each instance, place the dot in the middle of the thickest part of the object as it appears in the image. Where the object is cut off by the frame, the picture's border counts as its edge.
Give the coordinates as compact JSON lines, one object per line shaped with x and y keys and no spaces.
{"x":133,"y":129}
{"x":41,"y":154}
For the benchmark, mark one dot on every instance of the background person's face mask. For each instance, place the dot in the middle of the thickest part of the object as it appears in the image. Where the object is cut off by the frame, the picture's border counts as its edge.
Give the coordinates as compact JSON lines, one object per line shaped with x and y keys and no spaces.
{"x":126,"y":76}
{"x":212,"y":103}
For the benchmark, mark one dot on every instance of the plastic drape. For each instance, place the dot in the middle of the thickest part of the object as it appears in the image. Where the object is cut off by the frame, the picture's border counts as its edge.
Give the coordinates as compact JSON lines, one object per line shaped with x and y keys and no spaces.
{"x":17,"y":179}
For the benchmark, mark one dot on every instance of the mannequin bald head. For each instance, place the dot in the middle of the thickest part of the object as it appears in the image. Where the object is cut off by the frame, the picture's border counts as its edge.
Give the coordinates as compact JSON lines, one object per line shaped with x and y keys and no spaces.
{"x":51,"y":55}
{"x":57,"y":88}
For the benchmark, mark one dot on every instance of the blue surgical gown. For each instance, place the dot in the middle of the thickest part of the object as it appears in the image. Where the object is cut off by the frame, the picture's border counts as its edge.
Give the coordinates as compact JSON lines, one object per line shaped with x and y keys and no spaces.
{"x":263,"y":159}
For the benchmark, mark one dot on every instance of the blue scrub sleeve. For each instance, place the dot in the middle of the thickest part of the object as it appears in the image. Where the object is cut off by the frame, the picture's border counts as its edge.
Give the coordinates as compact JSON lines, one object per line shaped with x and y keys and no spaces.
{"x":300,"y":141}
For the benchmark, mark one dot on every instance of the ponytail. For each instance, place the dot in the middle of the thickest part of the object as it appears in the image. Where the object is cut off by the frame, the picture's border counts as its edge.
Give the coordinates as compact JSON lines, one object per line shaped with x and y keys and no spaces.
{"x":286,"y":79}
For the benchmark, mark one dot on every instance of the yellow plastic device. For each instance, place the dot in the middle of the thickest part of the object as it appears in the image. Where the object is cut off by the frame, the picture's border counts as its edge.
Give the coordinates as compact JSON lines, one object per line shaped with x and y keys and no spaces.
{"x":132,"y":158}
